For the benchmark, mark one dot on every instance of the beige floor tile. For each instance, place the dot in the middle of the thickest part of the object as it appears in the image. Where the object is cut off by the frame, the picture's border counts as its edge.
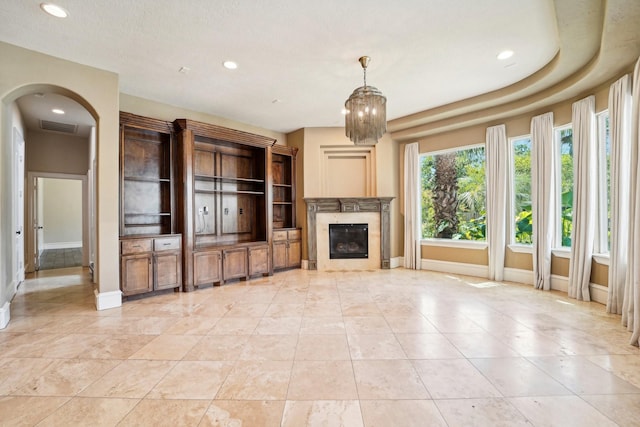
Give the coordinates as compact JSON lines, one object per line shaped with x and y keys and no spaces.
{"x":375,"y":347}
{"x":27,"y":410}
{"x":218,"y":347}
{"x":398,"y":309}
{"x":582,"y":376}
{"x":270,"y":347}
{"x":366,"y":325}
{"x":623,"y":409}
{"x":215,"y":310}
{"x":167,"y":347}
{"x":32,"y":345}
{"x":151,"y":412}
{"x":247,"y":310}
{"x":235,"y":326}
{"x":532,"y":344}
{"x":360,"y":309}
{"x":323,"y":294}
{"x":192,"y":380}
{"x":322,"y":380}
{"x":116,"y":347}
{"x":405,"y":413}
{"x":428,"y":346}
{"x":278,"y":326}
{"x":388,"y":379}
{"x":286,"y":309}
{"x":566,"y":411}
{"x":454,"y":379}
{"x":88,"y":411}
{"x":322,"y":413}
{"x":66,"y":377}
{"x":624,"y":366}
{"x":322,"y":347}
{"x":478,"y":345}
{"x":257,"y":380}
{"x":516,"y":376}
{"x":193,"y":325}
{"x":130,"y":379}
{"x":493,"y":412}
{"x":453,"y":324}
{"x":322,"y":309}
{"x":17,"y":372}
{"x":415,"y":324}
{"x":322,"y":325}
{"x":231,"y":413}
{"x":72,"y":345}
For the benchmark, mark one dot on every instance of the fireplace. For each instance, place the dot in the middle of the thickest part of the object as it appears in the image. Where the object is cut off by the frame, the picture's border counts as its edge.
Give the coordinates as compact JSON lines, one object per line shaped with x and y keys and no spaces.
{"x":348,"y":241}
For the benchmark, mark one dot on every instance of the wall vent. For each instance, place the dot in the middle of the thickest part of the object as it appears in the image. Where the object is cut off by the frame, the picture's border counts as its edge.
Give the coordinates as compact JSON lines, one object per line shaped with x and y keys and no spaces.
{"x":58,"y":127}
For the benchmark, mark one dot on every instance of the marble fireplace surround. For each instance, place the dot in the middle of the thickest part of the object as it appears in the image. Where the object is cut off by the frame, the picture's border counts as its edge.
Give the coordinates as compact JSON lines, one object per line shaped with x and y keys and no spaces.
{"x":372,"y":210}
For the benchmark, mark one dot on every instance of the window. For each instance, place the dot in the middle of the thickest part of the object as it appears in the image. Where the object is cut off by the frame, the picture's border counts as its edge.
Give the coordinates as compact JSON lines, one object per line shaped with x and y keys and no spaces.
{"x":564,"y":147}
{"x":453,"y":194}
{"x":603,"y":233}
{"x":521,"y":190}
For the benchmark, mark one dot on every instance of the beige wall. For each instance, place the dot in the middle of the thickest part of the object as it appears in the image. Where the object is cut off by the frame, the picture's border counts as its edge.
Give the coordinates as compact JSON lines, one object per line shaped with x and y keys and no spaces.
{"x":24,"y":72}
{"x":57,"y":153}
{"x":311,"y":143}
{"x":62,"y":211}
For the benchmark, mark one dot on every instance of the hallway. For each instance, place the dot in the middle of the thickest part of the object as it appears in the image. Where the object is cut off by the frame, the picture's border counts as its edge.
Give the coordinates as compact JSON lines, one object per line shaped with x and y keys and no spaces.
{"x":364,"y":348}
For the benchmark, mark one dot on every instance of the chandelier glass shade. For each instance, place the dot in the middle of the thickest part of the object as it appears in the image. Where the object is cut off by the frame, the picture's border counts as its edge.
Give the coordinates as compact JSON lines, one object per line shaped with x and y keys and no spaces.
{"x":365,"y":112}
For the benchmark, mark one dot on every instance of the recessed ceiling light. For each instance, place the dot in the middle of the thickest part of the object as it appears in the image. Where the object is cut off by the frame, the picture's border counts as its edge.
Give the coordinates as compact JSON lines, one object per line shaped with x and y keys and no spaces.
{"x":57,"y":111}
{"x":505,"y":54}
{"x":230,"y":65}
{"x":54,"y":10}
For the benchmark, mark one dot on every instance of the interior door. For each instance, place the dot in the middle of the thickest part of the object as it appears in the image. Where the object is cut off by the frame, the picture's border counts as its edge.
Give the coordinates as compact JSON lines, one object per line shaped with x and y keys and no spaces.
{"x":18,"y":144}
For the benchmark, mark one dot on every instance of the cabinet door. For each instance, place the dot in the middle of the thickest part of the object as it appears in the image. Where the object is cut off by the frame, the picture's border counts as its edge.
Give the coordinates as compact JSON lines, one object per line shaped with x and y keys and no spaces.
{"x":258,"y":260}
{"x":294,"y":254}
{"x":207,"y":267}
{"x":168,"y":271}
{"x":235,"y":263}
{"x":279,"y":254}
{"x":137,"y":274}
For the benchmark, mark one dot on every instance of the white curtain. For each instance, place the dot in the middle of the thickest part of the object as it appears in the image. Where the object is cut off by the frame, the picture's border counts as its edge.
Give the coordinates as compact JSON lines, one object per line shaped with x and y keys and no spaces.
{"x":620,"y":133}
{"x":412,"y":221}
{"x":631,"y":302}
{"x":497,"y":154}
{"x":583,"y":231}
{"x":543,"y":197}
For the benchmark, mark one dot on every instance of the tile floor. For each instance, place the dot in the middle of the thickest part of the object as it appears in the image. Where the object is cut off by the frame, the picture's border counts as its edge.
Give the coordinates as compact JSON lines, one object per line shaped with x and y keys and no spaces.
{"x":382,"y":348}
{"x":60,"y":258}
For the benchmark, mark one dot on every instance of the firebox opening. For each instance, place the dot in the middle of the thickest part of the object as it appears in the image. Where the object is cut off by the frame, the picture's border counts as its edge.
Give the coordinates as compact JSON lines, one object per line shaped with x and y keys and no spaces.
{"x":348,"y":241}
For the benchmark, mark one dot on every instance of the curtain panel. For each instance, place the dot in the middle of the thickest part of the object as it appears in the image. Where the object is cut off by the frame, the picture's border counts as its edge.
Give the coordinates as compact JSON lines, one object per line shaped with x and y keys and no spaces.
{"x":620,"y":137}
{"x":497,"y":154}
{"x":543,"y":198}
{"x":412,"y":217}
{"x":583,"y":230}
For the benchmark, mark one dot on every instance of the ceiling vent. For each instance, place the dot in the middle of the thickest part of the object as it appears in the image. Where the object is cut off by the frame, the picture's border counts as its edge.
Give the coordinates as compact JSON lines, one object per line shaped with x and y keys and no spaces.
{"x":58,"y":127}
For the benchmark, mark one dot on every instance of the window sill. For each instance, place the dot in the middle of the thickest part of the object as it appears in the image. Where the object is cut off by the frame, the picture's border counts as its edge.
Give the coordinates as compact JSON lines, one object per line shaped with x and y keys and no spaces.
{"x":453,"y":243}
{"x":561,"y":253}
{"x":521,"y":249}
{"x":602,"y":259}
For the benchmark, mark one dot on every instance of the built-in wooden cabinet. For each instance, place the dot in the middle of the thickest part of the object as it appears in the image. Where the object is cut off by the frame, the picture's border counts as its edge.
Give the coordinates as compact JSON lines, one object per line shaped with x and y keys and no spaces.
{"x":283,"y":167}
{"x":225,"y":202}
{"x":287,"y":248}
{"x":150,"y":264}
{"x":150,"y":254}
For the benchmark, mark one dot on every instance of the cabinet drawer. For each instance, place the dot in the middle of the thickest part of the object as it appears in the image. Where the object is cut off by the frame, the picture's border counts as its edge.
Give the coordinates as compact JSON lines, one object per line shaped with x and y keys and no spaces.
{"x":166,"y":243}
{"x":294,"y":234}
{"x":280,"y":235}
{"x":135,"y":246}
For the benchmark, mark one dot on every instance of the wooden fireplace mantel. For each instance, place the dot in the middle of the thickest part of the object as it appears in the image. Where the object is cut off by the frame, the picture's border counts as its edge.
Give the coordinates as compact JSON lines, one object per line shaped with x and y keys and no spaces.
{"x":349,"y":204}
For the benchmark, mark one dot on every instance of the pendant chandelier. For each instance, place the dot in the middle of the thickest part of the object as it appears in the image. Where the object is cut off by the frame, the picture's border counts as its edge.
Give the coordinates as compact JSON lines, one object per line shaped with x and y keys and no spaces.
{"x":365,"y":112}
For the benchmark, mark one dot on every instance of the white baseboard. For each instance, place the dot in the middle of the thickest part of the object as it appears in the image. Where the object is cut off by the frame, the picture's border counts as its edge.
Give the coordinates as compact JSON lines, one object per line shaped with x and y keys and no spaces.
{"x":599,"y":293}
{"x":455,"y":268}
{"x":518,"y":276}
{"x":559,"y":283}
{"x":304,"y":264}
{"x":5,"y":315}
{"x":107,"y":300}
{"x":396,"y":262}
{"x":62,"y":245}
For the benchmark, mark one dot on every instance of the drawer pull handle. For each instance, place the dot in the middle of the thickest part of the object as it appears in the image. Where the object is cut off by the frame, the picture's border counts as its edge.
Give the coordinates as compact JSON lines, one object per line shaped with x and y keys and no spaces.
{"x":166,"y":244}
{"x":136,"y":246}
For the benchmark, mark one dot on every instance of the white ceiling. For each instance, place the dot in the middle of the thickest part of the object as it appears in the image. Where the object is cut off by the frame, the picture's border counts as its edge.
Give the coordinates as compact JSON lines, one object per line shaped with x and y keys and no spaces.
{"x":298,"y":60}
